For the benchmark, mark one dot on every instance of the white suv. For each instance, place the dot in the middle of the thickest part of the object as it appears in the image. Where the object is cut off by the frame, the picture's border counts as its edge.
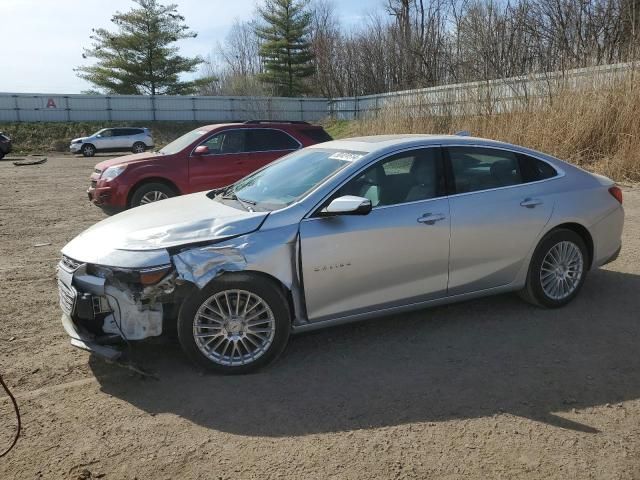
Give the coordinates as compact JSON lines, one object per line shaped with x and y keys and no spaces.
{"x":136,"y":140}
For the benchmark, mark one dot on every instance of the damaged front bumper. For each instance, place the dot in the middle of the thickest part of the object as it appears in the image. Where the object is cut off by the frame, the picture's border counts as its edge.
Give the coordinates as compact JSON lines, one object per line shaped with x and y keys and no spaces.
{"x":100,"y":307}
{"x":88,"y":341}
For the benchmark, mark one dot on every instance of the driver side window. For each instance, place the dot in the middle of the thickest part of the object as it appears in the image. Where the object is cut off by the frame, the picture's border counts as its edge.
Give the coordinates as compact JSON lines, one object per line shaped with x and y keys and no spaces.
{"x":405,"y":177}
{"x":231,"y":141}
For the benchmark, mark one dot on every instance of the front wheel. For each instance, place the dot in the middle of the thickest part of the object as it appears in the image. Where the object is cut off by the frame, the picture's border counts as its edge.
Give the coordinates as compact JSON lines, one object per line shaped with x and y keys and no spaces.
{"x":88,"y":150}
{"x":558,"y":269}
{"x":149,"y":193}
{"x":236,"y":324}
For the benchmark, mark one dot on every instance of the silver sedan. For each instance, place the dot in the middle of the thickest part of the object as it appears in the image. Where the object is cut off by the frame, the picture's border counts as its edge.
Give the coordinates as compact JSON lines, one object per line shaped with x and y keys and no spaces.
{"x":341,"y":231}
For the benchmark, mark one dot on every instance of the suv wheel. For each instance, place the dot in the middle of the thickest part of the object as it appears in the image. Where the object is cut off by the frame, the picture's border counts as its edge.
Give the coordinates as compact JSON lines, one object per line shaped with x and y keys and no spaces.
{"x":88,"y":150}
{"x":236,"y":324}
{"x":149,"y":193}
{"x":138,"y":147}
{"x":557,"y":270}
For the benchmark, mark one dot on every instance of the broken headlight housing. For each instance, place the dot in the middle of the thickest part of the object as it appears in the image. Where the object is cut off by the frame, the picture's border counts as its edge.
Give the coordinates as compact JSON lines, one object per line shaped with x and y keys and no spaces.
{"x":143,"y":276}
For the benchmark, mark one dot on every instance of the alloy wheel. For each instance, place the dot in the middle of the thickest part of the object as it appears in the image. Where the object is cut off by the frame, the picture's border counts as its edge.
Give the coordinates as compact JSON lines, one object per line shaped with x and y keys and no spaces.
{"x":153,"y":196}
{"x":234,"y":327}
{"x":561,"y":270}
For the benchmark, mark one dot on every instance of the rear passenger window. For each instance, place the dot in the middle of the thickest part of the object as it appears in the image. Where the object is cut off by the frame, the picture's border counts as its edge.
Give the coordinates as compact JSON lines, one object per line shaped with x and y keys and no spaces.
{"x":534,"y":169}
{"x":263,"y":140}
{"x":478,"y":168}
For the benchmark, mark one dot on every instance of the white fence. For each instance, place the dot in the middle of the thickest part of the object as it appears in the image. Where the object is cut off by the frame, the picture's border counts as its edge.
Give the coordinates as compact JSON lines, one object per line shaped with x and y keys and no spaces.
{"x":22,"y":107}
{"x":493,"y":96}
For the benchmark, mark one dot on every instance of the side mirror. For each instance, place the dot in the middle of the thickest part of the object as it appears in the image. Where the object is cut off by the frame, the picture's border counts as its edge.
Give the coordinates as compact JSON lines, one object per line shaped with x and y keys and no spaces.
{"x":347,"y":205}
{"x":201,"y":150}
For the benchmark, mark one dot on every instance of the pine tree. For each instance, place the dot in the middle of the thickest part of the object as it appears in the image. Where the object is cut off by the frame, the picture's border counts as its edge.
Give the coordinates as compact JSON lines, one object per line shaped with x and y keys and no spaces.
{"x":139,"y":58}
{"x":285,"y":48}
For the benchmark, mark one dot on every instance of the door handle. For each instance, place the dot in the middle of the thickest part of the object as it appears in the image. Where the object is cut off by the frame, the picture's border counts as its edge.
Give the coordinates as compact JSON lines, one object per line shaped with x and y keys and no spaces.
{"x":430,"y":218}
{"x":530,"y":202}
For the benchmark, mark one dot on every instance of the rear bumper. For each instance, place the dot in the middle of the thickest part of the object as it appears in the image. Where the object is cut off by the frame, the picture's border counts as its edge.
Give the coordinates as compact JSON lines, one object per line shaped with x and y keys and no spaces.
{"x":87,"y":341}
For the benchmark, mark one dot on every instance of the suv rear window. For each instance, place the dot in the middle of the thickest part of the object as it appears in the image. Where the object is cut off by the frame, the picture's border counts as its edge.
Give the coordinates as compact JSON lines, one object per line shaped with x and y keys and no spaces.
{"x":265,"y":139}
{"x":317,"y":135}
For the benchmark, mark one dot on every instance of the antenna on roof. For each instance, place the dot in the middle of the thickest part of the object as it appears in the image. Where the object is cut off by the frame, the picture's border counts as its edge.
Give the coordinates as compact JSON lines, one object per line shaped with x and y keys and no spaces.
{"x":463,"y":133}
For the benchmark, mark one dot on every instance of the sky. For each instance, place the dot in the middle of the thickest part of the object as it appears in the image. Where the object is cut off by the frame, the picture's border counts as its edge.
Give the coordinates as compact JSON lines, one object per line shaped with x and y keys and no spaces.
{"x":42,"y":40}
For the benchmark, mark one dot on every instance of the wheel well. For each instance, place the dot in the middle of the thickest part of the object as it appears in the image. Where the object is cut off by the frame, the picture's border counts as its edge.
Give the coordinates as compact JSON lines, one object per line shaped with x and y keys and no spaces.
{"x":270,"y":278}
{"x":164,"y":181}
{"x":584,"y":234}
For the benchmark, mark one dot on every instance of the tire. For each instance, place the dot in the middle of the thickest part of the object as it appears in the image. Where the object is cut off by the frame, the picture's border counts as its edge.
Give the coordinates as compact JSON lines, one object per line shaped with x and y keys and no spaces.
{"x":552,"y":283}
{"x":138,"y":147}
{"x":151,"y":192}
{"x":88,"y":150}
{"x":235,"y":344}
{"x":1,"y":154}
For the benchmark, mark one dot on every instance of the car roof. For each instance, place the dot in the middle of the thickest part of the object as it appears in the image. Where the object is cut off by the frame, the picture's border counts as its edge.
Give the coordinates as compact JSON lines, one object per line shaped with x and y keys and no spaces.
{"x":376,"y":143}
{"x":262,"y":124}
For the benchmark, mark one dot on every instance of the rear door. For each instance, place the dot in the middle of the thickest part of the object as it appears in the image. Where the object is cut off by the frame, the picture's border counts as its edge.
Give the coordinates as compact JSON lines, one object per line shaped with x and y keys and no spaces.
{"x":497,"y":215}
{"x":223,"y":165}
{"x":264,"y":145}
{"x":395,"y":255}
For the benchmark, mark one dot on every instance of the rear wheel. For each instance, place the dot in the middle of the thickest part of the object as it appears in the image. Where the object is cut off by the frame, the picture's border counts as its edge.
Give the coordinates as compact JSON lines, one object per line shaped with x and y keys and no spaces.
{"x":149,"y":193}
{"x":557,"y":270}
{"x":138,"y":147}
{"x":236,"y":324}
{"x":88,"y":150}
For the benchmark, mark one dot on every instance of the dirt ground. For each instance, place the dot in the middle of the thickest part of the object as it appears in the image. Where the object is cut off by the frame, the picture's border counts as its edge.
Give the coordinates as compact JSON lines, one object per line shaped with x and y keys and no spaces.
{"x":492,"y":388}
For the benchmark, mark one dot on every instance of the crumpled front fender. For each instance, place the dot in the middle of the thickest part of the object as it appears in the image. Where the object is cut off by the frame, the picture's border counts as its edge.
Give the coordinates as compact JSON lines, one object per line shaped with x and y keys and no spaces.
{"x":273,"y":252}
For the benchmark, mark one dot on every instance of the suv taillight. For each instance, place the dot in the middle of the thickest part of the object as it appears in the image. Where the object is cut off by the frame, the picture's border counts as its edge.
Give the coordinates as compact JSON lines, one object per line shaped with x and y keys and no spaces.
{"x":616,"y":193}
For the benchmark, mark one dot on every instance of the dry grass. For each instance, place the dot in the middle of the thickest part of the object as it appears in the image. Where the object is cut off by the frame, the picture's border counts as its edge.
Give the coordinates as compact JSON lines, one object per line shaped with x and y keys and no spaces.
{"x":597,"y":130}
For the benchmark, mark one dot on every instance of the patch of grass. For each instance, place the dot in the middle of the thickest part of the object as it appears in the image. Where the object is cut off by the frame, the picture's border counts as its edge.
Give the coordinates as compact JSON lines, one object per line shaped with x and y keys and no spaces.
{"x":598,"y":130}
{"x":340,"y":128}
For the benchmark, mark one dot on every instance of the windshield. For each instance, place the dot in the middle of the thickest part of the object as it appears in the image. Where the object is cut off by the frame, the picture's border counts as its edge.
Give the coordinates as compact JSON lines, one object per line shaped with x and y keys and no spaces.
{"x":182,"y":142}
{"x":289,"y":179}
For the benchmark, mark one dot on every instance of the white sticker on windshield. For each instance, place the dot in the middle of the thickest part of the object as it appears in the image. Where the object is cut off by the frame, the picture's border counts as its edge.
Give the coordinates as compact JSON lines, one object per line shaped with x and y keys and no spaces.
{"x":346,"y":156}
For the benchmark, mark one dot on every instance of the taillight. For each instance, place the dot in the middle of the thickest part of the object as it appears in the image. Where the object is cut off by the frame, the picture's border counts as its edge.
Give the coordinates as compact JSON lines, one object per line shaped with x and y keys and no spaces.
{"x":616,"y":193}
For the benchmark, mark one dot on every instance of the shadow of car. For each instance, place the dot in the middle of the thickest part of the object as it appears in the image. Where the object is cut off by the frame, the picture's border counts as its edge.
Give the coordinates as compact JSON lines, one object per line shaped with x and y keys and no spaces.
{"x":468,"y":360}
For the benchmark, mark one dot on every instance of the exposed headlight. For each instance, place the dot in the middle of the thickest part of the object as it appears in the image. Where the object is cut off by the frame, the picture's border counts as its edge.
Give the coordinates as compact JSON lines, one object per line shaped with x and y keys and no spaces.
{"x":112,"y":172}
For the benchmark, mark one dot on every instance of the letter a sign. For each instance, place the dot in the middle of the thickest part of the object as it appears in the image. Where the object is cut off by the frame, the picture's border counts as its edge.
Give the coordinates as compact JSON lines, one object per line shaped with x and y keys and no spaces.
{"x":51,"y":103}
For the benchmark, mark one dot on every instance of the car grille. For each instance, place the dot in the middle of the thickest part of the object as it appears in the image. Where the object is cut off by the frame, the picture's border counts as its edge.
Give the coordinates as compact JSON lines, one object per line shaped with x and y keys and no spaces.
{"x":67,"y":298}
{"x":69,"y":263}
{"x":93,"y":184}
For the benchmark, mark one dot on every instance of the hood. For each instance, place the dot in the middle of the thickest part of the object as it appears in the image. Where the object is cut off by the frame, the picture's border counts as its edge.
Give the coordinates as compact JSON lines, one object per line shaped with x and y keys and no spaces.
{"x":134,"y":157}
{"x":148,"y":230}
{"x":79,"y":139}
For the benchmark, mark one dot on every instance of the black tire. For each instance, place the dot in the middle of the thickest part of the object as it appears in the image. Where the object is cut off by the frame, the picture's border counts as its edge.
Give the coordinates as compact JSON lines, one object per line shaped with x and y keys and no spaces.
{"x":1,"y":154}
{"x":88,"y":150}
{"x":138,"y":147}
{"x":146,"y":190}
{"x":534,"y":292}
{"x":266,"y":290}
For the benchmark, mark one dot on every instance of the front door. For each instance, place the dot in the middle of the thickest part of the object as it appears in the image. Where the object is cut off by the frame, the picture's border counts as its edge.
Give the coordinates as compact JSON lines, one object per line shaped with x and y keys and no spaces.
{"x":222,"y":165}
{"x":397,"y":254}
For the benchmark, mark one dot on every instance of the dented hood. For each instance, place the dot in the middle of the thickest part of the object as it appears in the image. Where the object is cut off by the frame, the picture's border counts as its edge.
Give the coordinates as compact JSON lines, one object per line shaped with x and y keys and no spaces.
{"x":150,"y":229}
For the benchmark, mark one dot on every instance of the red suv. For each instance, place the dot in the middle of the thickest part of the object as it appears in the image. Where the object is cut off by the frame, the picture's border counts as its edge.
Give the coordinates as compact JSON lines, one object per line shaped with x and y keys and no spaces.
{"x":209,"y":157}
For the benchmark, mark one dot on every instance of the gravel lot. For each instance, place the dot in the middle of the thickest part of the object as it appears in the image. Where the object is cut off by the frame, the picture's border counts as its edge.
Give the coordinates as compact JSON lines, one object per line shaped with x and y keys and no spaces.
{"x":492,"y":388}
